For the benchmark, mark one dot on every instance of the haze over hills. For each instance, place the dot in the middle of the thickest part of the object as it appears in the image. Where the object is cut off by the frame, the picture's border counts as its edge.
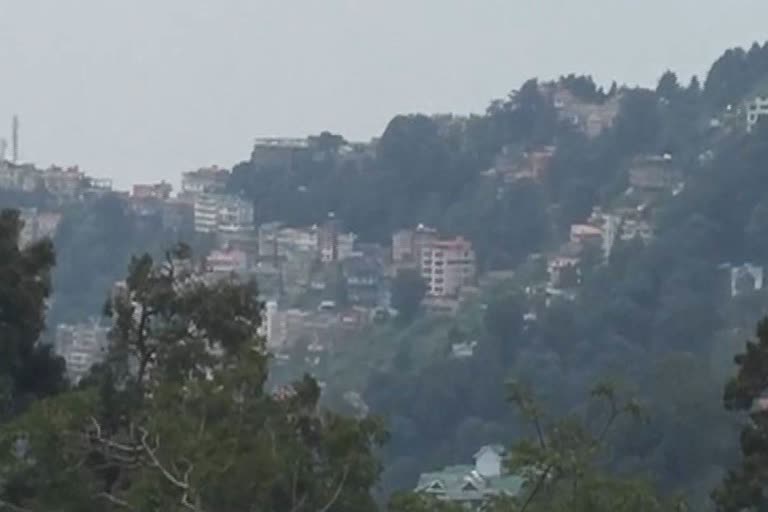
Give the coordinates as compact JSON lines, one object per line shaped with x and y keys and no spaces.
{"x":570,"y":233}
{"x":202,"y":79}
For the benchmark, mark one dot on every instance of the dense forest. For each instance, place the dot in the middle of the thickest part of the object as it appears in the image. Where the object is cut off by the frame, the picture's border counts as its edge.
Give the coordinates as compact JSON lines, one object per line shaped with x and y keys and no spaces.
{"x":648,"y":340}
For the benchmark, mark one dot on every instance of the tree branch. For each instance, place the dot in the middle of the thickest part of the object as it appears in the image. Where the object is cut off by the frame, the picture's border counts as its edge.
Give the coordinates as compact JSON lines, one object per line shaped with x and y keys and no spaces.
{"x":188,"y":504}
{"x":337,"y":493}
{"x":151,"y":452}
{"x":12,"y":507}
{"x":539,"y":431}
{"x":115,"y":500}
{"x":536,"y":489}
{"x":296,"y":505}
{"x":126,"y":448}
{"x":611,"y":419}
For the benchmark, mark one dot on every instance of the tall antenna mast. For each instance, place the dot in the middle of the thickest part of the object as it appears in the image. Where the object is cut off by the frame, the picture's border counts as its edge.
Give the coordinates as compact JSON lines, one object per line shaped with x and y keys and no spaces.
{"x":15,"y":140}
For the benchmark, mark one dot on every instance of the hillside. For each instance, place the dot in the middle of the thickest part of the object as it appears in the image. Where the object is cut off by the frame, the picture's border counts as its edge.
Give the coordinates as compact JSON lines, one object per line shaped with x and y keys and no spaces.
{"x":615,"y":233}
{"x":658,"y":314}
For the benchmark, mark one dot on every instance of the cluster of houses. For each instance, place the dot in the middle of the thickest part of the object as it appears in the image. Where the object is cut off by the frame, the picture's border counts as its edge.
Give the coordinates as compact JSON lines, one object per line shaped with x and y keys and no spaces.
{"x":321,"y":282}
{"x":61,"y":184}
{"x":349,"y":281}
{"x":650,"y":179}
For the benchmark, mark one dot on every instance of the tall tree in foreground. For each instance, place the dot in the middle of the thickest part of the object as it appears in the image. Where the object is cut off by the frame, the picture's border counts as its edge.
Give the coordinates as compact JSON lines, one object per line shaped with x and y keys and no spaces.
{"x":746,"y":487}
{"x":178,"y":417}
{"x":28,"y":370}
{"x":563,"y":464}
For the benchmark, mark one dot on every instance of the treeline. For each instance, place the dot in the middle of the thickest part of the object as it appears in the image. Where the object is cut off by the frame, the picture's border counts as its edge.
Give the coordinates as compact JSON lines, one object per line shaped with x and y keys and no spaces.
{"x":429,"y":169}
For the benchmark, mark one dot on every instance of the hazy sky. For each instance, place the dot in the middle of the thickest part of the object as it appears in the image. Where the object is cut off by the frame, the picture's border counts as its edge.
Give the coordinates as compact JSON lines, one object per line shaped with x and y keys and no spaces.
{"x":144,"y":89}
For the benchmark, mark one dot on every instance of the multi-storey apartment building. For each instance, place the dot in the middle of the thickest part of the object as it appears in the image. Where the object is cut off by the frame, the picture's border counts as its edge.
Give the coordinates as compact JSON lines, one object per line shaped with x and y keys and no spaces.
{"x":447,"y":266}
{"x":408,"y":243}
{"x":206,"y":180}
{"x":756,"y":109}
{"x":81,"y":346}
{"x":215,"y":210}
{"x":161,"y":191}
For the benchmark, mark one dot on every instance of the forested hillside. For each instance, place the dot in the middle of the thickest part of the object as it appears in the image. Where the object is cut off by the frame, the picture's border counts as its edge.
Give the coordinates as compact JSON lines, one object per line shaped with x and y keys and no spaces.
{"x":658,"y":313}
{"x":655,"y":317}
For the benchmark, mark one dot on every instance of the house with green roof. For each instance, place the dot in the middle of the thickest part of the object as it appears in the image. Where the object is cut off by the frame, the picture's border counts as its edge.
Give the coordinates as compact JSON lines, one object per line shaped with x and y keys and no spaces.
{"x":473,"y":484}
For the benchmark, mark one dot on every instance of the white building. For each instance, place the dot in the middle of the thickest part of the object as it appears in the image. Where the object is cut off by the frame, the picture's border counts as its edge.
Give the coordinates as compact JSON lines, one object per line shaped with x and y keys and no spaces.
{"x":212,"y":211}
{"x":586,"y":234}
{"x":447,"y":266}
{"x":274,"y":326}
{"x":746,"y":278}
{"x":341,"y":248}
{"x":81,"y":346}
{"x":37,"y":225}
{"x":756,"y":109}
{"x":19,"y":177}
{"x":227,"y":261}
{"x":609,"y":225}
{"x":207,"y":179}
{"x":408,"y":243}
{"x":297,"y":239}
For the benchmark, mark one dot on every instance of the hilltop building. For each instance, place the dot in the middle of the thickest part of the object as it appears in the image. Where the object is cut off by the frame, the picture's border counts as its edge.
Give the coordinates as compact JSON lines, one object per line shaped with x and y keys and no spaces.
{"x":205,"y":180}
{"x":278,"y":152}
{"x":161,"y":191}
{"x":25,"y":178}
{"x":592,"y":118}
{"x":756,"y":110}
{"x":63,"y":183}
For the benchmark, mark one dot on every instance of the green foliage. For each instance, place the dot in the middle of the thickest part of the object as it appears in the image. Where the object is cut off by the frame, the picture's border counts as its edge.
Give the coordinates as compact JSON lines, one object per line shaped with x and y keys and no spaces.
{"x":96,"y":239}
{"x":564,"y":463}
{"x":28,"y":369}
{"x":735,"y":74}
{"x":584,"y":87}
{"x":178,"y":417}
{"x":744,"y":488}
{"x":408,"y":290}
{"x":668,"y":86}
{"x":413,"y":502}
{"x":639,"y":122}
{"x":656,"y":313}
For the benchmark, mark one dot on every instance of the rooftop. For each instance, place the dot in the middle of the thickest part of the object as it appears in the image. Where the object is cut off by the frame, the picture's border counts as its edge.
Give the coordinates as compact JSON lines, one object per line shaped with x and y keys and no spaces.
{"x":281,"y":142}
{"x":463,"y":483}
